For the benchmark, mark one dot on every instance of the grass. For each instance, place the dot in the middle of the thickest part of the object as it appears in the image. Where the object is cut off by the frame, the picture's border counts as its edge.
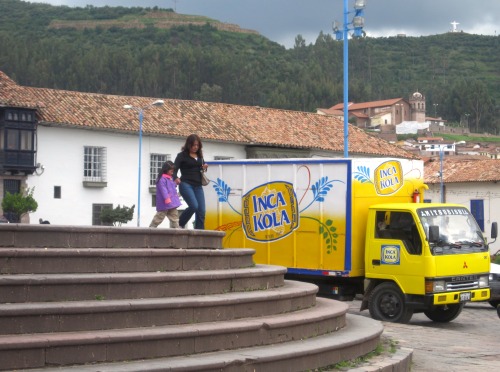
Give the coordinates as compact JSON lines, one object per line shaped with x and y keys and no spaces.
{"x":475,"y":138}
{"x":386,"y":347}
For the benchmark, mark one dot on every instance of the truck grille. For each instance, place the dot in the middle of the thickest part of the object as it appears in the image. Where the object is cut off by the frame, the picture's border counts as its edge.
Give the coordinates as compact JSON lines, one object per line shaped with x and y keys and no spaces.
{"x":461,"y":286}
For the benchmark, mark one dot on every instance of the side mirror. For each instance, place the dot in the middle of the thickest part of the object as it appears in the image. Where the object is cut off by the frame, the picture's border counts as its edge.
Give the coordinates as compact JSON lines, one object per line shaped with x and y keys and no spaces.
{"x":433,"y":234}
{"x":494,"y":231}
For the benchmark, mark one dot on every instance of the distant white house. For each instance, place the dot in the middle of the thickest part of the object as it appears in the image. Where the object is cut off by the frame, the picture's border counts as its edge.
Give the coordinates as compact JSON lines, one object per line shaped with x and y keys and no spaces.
{"x":411,"y":127}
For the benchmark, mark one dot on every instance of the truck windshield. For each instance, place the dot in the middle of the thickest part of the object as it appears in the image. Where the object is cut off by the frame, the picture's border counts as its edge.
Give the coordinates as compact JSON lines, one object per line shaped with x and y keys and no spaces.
{"x":458,"y":230}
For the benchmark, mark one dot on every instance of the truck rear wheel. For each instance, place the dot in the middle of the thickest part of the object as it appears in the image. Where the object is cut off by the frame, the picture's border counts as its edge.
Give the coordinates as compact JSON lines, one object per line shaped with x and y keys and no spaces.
{"x":387,"y":304}
{"x":445,"y":313}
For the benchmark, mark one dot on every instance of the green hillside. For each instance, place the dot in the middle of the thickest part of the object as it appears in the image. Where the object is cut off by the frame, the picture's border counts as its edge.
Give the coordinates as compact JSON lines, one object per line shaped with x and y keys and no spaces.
{"x":159,"y":53}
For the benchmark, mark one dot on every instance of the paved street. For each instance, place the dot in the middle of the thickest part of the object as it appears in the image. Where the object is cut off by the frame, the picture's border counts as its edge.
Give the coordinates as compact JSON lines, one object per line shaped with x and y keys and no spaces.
{"x":469,"y":343}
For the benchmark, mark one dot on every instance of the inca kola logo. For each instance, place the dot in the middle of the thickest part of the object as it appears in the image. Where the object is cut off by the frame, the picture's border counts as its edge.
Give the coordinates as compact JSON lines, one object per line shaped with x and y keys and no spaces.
{"x":388,"y":177}
{"x":270,"y":211}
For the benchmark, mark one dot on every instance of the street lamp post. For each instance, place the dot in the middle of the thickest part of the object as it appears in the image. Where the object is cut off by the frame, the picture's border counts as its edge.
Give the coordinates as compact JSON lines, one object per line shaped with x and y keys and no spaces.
{"x":140,"y":110}
{"x":441,"y":188}
{"x":435,"y":109}
{"x":357,"y":28}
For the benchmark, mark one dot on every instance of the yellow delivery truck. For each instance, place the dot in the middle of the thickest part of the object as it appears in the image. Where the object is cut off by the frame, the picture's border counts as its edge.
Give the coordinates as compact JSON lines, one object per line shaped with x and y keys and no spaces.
{"x":354,"y":226}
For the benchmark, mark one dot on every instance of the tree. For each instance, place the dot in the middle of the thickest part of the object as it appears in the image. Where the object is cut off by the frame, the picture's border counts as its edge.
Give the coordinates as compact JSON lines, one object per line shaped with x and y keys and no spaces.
{"x":209,"y":93}
{"x":118,"y":215}
{"x":15,"y":206}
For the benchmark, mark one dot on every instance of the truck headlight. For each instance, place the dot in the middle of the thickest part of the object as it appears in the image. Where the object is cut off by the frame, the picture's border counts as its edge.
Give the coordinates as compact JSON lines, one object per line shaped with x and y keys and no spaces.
{"x":439,"y":286}
{"x":483,"y":281}
{"x":435,"y":286}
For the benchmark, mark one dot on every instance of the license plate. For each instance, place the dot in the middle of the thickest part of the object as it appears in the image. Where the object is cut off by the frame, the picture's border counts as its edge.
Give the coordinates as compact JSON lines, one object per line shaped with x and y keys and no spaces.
{"x":464,"y":296}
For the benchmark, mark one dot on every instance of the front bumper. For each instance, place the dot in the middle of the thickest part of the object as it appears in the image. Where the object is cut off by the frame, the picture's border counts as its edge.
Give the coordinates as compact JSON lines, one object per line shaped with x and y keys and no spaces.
{"x":482,"y":294}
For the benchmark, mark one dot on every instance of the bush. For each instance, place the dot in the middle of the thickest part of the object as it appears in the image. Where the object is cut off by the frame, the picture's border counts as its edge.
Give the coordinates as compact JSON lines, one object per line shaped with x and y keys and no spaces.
{"x":117,"y":216}
{"x":17,"y":205}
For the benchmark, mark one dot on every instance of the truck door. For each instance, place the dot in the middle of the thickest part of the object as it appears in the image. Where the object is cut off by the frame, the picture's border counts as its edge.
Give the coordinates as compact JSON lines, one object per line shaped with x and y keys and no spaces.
{"x":394,"y":251}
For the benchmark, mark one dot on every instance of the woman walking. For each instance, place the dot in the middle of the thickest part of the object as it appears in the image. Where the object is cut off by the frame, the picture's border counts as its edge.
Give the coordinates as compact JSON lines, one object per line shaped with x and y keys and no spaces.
{"x":191,"y":165}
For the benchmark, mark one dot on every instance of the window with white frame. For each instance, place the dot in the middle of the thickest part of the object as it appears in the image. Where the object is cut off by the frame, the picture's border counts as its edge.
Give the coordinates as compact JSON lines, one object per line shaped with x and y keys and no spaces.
{"x":94,"y":164}
{"x":155,"y":163}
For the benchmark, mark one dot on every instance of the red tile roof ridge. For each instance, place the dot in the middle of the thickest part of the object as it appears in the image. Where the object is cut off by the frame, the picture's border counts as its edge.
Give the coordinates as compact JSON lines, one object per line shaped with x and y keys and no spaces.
{"x":357,"y":106}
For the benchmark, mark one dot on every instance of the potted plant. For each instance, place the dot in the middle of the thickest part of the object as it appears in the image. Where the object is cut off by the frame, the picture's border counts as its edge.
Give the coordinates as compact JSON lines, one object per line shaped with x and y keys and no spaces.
{"x":16,"y":205}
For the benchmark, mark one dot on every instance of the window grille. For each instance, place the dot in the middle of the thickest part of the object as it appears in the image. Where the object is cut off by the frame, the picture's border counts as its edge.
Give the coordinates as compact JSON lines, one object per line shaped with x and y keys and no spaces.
{"x":96,"y":214}
{"x":94,"y":164}
{"x":155,"y":163}
{"x":11,"y":186}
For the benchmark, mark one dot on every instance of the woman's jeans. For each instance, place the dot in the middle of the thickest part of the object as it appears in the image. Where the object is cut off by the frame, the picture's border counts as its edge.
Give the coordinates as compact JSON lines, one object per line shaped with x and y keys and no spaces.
{"x":195,"y":199}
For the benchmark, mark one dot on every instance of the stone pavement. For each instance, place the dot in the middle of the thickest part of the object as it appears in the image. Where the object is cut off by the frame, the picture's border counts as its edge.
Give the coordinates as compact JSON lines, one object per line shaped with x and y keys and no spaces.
{"x":470,"y":343}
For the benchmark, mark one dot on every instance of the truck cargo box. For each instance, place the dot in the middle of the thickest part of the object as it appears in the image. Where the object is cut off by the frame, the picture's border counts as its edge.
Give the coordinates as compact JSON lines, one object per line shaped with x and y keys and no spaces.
{"x":308,"y":215}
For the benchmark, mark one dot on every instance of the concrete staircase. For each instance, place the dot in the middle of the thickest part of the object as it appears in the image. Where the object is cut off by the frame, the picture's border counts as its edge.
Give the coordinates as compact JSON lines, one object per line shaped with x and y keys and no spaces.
{"x":139,"y":299}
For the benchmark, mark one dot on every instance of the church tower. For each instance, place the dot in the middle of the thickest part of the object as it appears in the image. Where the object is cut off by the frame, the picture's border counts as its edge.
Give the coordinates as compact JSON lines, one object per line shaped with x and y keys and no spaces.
{"x":417,"y":104}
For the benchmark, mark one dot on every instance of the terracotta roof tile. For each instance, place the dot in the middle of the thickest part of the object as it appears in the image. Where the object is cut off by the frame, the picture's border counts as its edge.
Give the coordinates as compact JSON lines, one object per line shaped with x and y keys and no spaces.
{"x":462,"y":170}
{"x":363,"y":105}
{"x":211,"y":121}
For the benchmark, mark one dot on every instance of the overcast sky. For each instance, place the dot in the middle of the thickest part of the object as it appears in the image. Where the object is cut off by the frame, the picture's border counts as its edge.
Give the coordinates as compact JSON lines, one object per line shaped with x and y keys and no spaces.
{"x":283,"y":20}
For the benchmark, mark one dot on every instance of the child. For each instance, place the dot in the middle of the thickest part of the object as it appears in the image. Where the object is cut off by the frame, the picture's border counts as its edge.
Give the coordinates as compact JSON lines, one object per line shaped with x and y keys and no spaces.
{"x":167,"y":199}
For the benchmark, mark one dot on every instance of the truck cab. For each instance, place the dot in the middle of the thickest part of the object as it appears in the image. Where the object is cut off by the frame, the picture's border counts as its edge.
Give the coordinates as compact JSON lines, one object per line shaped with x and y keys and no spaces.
{"x":429,"y":258}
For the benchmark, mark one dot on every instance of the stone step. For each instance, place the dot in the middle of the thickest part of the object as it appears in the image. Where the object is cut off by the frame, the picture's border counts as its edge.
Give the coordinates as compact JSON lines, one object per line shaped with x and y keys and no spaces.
{"x":112,"y":286}
{"x":36,"y":317}
{"x":360,"y":336}
{"x":99,"y":260}
{"x":57,"y":236}
{"x":52,"y":349}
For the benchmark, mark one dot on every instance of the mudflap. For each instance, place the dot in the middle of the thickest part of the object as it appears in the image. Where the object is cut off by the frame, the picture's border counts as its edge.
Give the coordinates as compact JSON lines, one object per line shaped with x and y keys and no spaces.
{"x":366,"y":295}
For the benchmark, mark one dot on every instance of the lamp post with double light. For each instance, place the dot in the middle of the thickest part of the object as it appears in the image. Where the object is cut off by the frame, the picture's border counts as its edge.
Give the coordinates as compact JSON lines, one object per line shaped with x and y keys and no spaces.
{"x":467,"y":119}
{"x":357,"y":25}
{"x":141,"y":110}
{"x":435,"y":109}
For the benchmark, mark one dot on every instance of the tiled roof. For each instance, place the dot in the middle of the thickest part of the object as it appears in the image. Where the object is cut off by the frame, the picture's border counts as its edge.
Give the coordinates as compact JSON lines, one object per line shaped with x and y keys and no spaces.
{"x":331,"y":112}
{"x":363,"y":105}
{"x":462,"y":170}
{"x":211,"y":121}
{"x":12,"y":94}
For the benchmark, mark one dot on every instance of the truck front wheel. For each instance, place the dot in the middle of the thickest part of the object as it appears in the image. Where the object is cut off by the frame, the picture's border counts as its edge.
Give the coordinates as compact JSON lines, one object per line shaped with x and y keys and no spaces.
{"x":494,"y":303}
{"x":387,"y":304}
{"x":445,"y":313}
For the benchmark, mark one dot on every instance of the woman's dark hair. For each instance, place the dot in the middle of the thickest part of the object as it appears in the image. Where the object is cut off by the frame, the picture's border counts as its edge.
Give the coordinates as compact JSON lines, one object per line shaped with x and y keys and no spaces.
{"x":168,"y":165}
{"x":192,"y":138}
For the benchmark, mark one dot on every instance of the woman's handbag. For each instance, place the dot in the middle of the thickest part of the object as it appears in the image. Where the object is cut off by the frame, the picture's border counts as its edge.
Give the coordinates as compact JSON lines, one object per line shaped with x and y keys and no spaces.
{"x":204,"y":179}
